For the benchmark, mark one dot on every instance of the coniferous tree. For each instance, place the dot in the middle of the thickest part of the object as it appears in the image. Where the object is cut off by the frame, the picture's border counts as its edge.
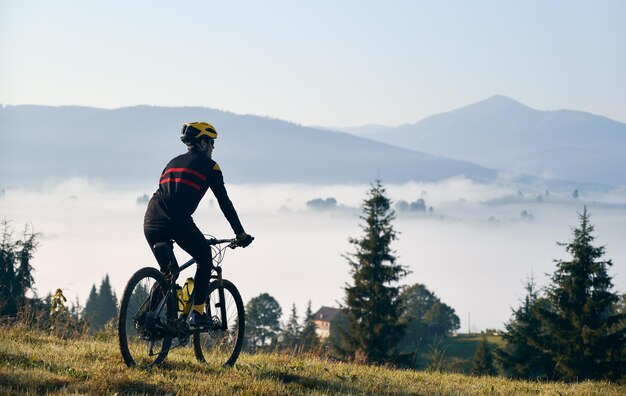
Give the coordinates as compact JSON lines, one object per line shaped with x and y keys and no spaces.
{"x":482,"y":362}
{"x":308,"y":336}
{"x":521,"y":358}
{"x":91,"y":305}
{"x":372,"y":304}
{"x":76,"y":309}
{"x":15,"y":270}
{"x":8,"y":278}
{"x":584,"y":335}
{"x":106,"y":306}
{"x":24,"y":273}
{"x":620,"y":307}
{"x":291,"y":332}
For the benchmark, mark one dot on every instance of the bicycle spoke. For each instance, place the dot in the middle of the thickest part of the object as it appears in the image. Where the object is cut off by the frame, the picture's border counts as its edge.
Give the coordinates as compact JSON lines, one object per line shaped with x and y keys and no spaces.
{"x":217,"y":345}
{"x":143,"y":341}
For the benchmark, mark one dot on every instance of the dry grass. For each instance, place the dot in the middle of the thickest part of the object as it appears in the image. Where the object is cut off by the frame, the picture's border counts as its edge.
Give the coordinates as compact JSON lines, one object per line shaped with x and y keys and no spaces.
{"x":36,"y":363}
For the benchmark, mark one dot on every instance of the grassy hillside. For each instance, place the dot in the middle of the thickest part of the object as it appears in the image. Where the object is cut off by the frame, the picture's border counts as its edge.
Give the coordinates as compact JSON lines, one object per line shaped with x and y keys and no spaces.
{"x":452,"y":354}
{"x":35,"y":363}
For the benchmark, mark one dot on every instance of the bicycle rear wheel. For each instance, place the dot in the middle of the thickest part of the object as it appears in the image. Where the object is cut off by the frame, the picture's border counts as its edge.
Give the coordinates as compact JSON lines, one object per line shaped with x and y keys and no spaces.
{"x":144,"y":310}
{"x":216,"y":345}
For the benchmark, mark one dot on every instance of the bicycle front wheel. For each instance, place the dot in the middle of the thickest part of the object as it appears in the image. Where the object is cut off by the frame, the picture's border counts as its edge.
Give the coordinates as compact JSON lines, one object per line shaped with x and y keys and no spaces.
{"x":144,"y":311}
{"x":218,"y":345}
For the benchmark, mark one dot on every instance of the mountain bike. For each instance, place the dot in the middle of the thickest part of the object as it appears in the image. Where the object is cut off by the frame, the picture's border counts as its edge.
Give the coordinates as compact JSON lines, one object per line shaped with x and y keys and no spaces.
{"x":150,"y":323}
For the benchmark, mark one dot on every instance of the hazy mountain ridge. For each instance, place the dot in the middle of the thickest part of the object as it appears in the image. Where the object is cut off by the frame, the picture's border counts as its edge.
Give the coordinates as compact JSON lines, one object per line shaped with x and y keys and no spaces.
{"x":132,"y":144}
{"x":502,"y":133}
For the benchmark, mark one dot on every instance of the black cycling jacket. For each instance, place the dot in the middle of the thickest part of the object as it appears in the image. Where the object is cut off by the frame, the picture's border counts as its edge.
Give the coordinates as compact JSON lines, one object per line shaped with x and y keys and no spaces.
{"x":183,"y":183}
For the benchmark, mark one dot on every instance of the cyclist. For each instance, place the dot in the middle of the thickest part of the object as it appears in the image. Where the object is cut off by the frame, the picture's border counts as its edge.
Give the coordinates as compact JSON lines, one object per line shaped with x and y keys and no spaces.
{"x":184,"y":181}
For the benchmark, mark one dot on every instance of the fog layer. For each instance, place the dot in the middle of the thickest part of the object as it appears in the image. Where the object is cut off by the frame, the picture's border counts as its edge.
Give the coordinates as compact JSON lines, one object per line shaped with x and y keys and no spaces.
{"x":474,"y":249}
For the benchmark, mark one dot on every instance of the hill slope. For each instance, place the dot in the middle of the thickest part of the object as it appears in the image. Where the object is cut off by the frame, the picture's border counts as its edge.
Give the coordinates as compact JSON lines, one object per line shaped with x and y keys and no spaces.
{"x":33,"y":363}
{"x":133,"y":144}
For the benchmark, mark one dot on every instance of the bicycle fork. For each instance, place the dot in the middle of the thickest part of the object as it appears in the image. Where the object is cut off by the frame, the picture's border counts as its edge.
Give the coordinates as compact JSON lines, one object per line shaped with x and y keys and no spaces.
{"x":221,"y":304}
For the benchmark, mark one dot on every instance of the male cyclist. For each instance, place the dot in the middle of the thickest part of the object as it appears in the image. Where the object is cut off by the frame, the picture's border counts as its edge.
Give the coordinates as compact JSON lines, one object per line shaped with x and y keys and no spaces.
{"x":183,"y":183}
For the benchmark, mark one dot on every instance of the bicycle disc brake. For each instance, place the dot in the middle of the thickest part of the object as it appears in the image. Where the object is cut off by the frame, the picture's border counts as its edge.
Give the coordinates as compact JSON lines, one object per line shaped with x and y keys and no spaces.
{"x":182,"y":332}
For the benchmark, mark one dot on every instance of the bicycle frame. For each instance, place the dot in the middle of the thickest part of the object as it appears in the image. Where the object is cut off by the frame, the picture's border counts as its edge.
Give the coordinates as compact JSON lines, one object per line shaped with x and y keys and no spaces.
{"x":174,"y":272}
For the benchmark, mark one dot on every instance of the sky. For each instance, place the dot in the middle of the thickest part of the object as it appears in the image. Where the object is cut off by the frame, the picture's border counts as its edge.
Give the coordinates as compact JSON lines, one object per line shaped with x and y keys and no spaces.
{"x":330,"y":63}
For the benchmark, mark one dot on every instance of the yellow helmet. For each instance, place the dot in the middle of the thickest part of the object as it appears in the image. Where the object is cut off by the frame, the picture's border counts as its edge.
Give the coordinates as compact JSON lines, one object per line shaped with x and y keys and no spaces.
{"x":193,"y":132}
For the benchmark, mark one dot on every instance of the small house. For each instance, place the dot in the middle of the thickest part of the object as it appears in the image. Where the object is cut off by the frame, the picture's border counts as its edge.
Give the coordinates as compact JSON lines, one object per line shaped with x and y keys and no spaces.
{"x":323,"y":320}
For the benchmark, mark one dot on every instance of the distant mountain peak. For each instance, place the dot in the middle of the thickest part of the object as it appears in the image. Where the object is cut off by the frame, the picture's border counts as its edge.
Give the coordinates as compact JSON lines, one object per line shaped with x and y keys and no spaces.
{"x":498,"y":102}
{"x":501,"y":99}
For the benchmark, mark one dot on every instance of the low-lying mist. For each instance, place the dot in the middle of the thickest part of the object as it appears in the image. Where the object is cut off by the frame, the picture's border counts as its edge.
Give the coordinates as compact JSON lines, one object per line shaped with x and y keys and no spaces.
{"x":474,"y":248}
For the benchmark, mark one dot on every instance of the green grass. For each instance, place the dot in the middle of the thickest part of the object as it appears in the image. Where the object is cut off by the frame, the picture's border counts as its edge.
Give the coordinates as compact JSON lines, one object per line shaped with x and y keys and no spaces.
{"x":464,"y":346}
{"x":35,"y":363}
{"x":454,"y":354}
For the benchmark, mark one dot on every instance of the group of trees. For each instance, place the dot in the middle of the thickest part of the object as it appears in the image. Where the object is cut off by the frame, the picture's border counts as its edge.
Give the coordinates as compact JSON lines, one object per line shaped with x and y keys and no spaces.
{"x":321,"y":203}
{"x":16,"y":280}
{"x":265,"y":332}
{"x":16,"y":272}
{"x":101,"y":305}
{"x":426,"y":318}
{"x":418,"y":205}
{"x":576,"y":328}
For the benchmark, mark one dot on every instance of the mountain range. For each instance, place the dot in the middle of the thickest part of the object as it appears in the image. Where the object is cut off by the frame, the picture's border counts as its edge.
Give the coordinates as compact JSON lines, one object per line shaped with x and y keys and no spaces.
{"x":501,"y":133}
{"x":131,"y":145}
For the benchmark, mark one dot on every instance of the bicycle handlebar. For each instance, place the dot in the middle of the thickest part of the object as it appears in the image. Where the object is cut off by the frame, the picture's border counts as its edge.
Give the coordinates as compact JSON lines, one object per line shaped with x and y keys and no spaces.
{"x":214,"y":241}
{"x":232,"y":243}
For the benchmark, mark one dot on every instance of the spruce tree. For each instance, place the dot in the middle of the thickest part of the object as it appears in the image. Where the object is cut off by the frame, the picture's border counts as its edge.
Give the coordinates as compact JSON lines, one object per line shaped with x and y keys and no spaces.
{"x":521,"y":358}
{"x":372,"y":304}
{"x":482,"y":362}
{"x":8,"y":278}
{"x":24,"y":273}
{"x":584,"y":335}
{"x":91,"y":305}
{"x":16,"y":277}
{"x":106,"y":306}
{"x":291,"y":332}
{"x":308,"y":336}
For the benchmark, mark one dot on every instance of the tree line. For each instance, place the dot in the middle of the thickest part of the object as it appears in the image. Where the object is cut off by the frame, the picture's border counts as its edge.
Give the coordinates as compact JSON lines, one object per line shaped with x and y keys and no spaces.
{"x":573,"y":329}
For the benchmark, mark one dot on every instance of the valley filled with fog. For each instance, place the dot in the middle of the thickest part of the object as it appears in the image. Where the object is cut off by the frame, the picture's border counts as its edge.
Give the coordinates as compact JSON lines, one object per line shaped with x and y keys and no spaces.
{"x":474,"y":249}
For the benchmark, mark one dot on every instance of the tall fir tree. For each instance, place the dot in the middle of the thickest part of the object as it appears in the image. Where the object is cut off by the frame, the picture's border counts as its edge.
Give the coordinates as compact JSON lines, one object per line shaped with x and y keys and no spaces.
{"x":521,"y":358}
{"x":372,"y":304}
{"x":308,"y":336}
{"x":584,"y":335}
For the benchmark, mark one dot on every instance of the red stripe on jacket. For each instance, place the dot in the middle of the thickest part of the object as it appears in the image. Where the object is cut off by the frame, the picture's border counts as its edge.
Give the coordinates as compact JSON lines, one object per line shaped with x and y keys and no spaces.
{"x":180,"y":180}
{"x":185,"y":170}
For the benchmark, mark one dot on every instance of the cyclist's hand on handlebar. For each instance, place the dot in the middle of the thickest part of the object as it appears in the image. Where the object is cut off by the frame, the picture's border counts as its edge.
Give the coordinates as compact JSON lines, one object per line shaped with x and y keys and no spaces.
{"x":243,"y":240}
